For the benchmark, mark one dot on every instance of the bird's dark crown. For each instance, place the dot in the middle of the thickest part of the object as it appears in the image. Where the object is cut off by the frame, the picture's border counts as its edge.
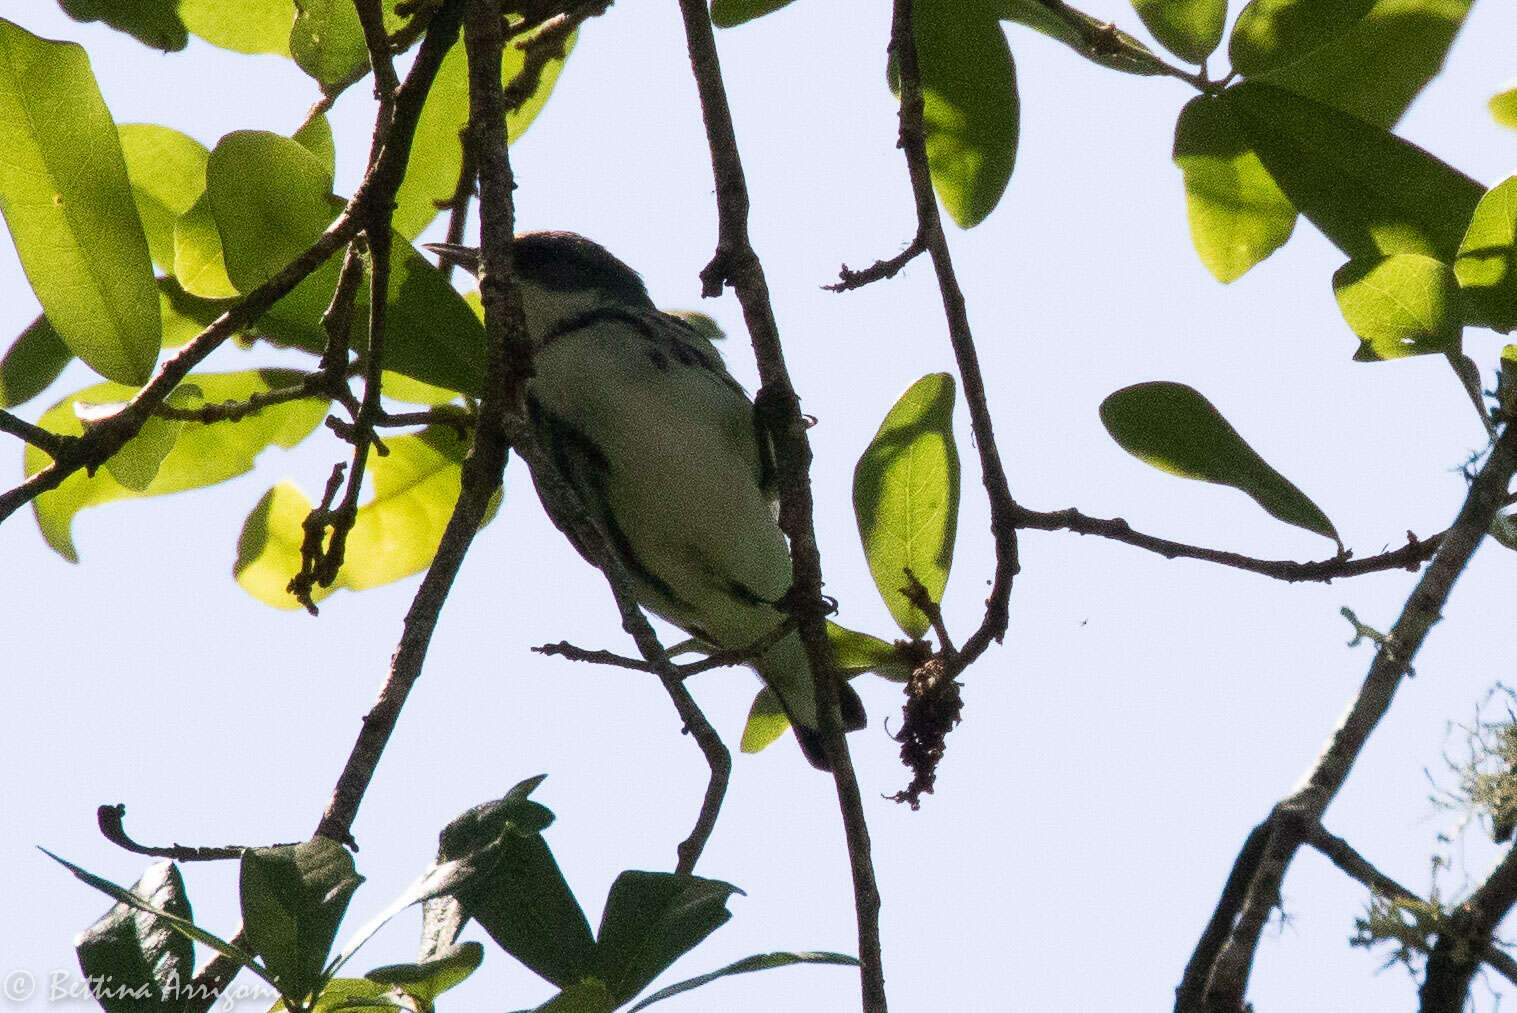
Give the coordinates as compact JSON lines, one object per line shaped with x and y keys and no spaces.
{"x":567,"y":261}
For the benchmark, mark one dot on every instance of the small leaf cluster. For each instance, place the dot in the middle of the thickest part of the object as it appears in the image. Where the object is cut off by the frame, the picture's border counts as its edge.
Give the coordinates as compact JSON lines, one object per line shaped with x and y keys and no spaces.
{"x":492,"y":863}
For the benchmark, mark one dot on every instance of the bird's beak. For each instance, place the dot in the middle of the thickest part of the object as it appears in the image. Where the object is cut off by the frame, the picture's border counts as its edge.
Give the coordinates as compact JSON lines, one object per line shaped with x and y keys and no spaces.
{"x":466,"y":257}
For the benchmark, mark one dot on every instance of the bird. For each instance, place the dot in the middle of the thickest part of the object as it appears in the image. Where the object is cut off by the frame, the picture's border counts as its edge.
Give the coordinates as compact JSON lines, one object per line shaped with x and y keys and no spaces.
{"x":637,"y":412}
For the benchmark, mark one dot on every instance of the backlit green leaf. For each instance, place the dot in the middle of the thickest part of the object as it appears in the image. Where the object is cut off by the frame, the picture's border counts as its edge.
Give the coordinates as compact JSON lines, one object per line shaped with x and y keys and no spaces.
{"x":429,"y":979}
{"x":143,"y":959}
{"x":1399,"y":306}
{"x":767,"y":721}
{"x":1503,"y":106}
{"x":199,"y":261}
{"x":327,"y":42}
{"x":154,"y":22}
{"x":728,"y":13}
{"x":1366,"y":57}
{"x":432,"y":173}
{"x":65,"y":196}
{"x":757,"y":962}
{"x":167,"y":173}
{"x":202,"y":455}
{"x":906,"y":497}
{"x":652,"y":919}
{"x":32,"y":363}
{"x":1238,"y":216}
{"x":1126,"y":53}
{"x":1370,"y":192}
{"x":1487,"y":262}
{"x":971,"y":112}
{"x":1190,"y":29}
{"x":246,"y":26}
{"x":293,"y":899}
{"x":316,"y":137}
{"x":1175,"y":429}
{"x":395,"y":534}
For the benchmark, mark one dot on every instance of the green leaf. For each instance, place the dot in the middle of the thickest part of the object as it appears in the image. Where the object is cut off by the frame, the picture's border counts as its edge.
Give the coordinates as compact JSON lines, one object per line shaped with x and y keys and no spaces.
{"x":293,"y":899}
{"x":436,"y":155}
{"x":143,"y":960}
{"x":185,"y":315}
{"x":65,"y":196}
{"x":757,"y":962}
{"x":1370,"y":192}
{"x":970,"y":107}
{"x":767,"y":721}
{"x":855,"y":653}
{"x":316,"y":137}
{"x":1503,"y":106}
{"x":247,"y":26}
{"x":906,"y":497}
{"x":521,"y":899}
{"x":1191,"y":29}
{"x":652,"y":919}
{"x":153,"y":22}
{"x":271,"y":199}
{"x":1487,"y":263}
{"x":429,"y":979}
{"x":203,"y":454}
{"x":199,"y":262}
{"x":136,"y":464}
{"x":588,"y":996}
{"x":1238,"y":216}
{"x":346,"y":995}
{"x":327,"y":42}
{"x":167,"y":173}
{"x":395,"y":534}
{"x":1175,"y":429}
{"x":1399,"y":306}
{"x":32,"y":363}
{"x":179,"y":924}
{"x":1369,"y":58}
{"x":1127,"y":54}
{"x":730,"y":13}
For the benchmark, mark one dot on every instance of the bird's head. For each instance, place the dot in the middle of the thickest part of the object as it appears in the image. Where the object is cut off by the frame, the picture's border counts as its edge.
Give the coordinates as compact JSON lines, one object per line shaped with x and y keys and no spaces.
{"x":561,"y":275}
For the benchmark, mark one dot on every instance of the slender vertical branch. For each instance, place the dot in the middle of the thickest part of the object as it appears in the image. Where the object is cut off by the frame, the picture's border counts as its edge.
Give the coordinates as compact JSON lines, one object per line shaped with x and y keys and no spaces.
{"x":1003,"y":509}
{"x":735,"y":263}
{"x":1217,"y":975}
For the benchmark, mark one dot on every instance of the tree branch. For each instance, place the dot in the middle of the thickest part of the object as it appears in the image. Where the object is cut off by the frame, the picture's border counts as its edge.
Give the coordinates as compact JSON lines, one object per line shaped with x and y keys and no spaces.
{"x":735,"y":263}
{"x":1217,"y":978}
{"x":482,"y":469}
{"x":1003,"y":509}
{"x":1408,"y":557}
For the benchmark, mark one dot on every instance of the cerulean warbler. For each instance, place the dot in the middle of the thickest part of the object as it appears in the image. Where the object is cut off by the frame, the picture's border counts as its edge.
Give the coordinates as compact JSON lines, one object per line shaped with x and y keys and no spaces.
{"x":641,"y":418}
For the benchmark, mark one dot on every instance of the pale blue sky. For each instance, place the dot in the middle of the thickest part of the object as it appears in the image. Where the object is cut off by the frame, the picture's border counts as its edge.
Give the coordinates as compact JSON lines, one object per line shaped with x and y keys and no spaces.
{"x":1140,"y":718}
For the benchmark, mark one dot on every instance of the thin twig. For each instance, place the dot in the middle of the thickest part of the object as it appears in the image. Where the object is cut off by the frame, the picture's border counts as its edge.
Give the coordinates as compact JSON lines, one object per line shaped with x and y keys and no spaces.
{"x":111,"y":817}
{"x":1408,"y":557}
{"x":1003,"y":510}
{"x":779,"y":412}
{"x":1103,"y":39}
{"x":313,"y":385}
{"x":880,"y":270}
{"x":717,"y":659}
{"x":1217,"y":976}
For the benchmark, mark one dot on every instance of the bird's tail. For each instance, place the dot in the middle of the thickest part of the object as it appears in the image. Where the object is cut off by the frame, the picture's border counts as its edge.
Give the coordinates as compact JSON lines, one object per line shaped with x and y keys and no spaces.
{"x":786,"y":670}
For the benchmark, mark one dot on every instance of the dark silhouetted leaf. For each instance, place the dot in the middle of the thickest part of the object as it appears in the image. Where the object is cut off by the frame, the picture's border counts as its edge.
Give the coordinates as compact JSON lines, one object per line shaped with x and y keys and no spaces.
{"x":153,"y":22}
{"x":143,"y":959}
{"x":650,"y":921}
{"x":293,"y":899}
